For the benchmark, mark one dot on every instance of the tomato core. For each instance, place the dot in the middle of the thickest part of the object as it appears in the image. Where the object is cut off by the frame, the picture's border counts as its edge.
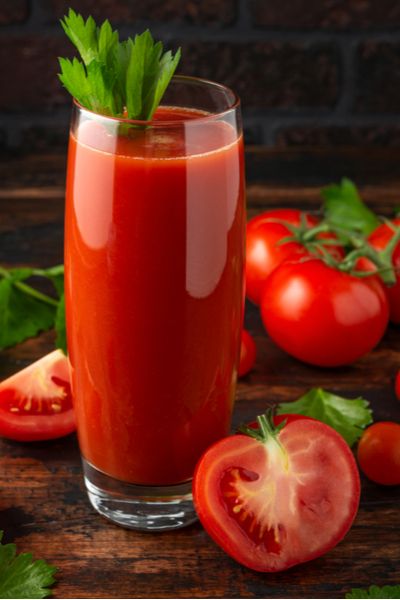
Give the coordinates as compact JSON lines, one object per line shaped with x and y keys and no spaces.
{"x":236,"y":493}
{"x":13,"y":401}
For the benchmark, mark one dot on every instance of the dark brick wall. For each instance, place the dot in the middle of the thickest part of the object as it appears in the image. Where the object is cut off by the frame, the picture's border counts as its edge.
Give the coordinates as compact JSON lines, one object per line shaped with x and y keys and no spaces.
{"x":309,"y":72}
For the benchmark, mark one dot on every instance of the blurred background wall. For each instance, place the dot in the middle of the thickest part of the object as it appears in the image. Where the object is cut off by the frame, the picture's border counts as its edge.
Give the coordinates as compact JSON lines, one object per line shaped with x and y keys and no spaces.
{"x":309,"y":72}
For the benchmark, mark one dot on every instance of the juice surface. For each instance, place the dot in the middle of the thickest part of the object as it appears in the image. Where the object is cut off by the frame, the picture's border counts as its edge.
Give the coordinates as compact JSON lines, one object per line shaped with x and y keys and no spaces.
{"x":154,"y":292}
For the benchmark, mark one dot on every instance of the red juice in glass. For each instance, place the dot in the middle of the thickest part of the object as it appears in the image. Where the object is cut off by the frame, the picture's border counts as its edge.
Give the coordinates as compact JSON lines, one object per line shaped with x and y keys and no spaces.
{"x":155,"y":220}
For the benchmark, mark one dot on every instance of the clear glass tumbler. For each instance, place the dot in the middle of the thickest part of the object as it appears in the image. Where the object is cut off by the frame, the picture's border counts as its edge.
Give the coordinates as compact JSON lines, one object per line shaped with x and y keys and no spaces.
{"x":154,"y":258}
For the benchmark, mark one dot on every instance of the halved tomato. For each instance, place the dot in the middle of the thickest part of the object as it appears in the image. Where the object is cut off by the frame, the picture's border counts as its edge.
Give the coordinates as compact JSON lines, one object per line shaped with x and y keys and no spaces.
{"x":36,"y":402}
{"x":281,"y":499}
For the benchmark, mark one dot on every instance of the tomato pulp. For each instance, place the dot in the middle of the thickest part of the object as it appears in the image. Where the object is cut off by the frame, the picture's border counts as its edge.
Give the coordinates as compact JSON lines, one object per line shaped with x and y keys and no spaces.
{"x":279,"y":502}
{"x":155,"y":224}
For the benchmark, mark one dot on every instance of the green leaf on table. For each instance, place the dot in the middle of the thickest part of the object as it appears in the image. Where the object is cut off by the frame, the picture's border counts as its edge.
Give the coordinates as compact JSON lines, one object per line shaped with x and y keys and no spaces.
{"x":56,"y":276}
{"x":21,"y":315}
{"x":347,"y":416}
{"x":20,"y":273}
{"x":115,"y":76}
{"x":61,"y":339}
{"x":344,"y":208}
{"x":374,"y":591}
{"x":23,"y":577}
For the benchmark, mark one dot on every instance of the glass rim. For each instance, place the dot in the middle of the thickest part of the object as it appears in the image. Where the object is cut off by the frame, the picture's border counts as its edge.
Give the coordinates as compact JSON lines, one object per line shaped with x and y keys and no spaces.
{"x":234,"y":105}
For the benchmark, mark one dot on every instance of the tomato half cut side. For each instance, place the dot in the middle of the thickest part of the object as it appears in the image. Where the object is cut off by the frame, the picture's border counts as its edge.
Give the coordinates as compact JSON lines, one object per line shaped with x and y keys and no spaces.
{"x":274,"y":504}
{"x":36,"y":402}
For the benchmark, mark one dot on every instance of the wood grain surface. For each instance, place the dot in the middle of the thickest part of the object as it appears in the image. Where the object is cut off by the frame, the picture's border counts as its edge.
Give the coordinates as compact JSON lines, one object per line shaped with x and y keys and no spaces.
{"x":43,"y":507}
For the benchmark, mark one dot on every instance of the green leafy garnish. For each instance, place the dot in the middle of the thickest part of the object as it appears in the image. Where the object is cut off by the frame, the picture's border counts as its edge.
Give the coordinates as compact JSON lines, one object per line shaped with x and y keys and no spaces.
{"x":25,"y":310}
{"x":115,"y":78}
{"x":348,"y":417}
{"x":345,"y":209}
{"x":374,"y":591}
{"x":21,"y":576}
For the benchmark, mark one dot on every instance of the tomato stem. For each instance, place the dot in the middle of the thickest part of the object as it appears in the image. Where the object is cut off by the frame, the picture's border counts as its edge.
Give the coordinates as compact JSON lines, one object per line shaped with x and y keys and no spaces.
{"x":27,"y":289}
{"x":266,"y":429}
{"x":30,"y":291}
{"x":381,"y":259}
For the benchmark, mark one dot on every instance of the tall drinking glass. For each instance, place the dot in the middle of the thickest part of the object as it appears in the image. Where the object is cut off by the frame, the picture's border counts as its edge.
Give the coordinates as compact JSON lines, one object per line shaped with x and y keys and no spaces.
{"x":154,"y":249}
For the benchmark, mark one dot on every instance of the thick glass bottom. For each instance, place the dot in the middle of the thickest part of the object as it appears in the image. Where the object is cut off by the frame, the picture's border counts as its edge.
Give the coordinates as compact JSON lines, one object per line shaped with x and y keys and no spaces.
{"x":141,"y":507}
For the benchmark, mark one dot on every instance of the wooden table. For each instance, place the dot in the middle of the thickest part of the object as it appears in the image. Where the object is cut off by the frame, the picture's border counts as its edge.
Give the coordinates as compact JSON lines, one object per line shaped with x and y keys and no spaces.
{"x":42,"y":501}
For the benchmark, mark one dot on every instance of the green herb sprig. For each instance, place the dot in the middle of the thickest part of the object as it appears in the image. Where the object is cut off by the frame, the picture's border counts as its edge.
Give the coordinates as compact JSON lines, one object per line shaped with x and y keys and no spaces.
{"x":348,"y":417}
{"x":374,"y":591}
{"x":21,"y":576}
{"x":25,"y":310}
{"x":114,"y":78}
{"x":344,"y":208}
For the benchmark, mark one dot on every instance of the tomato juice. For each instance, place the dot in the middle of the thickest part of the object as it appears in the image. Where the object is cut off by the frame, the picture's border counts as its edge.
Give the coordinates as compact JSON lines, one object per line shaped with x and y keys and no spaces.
{"x":154,"y":254}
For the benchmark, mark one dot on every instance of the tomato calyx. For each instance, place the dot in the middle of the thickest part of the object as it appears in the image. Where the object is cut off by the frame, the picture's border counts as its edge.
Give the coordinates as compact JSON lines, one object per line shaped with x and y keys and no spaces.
{"x":382,"y":260}
{"x":266,"y":431}
{"x":266,"y":427}
{"x":315,"y":239}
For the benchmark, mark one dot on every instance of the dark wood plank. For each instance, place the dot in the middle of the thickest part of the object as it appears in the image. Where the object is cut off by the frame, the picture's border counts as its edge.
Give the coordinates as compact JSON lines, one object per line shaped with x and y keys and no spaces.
{"x":42,"y":501}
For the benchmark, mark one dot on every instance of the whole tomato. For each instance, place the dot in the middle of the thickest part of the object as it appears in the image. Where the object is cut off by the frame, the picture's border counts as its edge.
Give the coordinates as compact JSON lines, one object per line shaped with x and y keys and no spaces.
{"x":265,"y":250}
{"x":378,"y":453}
{"x":379,"y":239}
{"x":247,"y":353}
{"x":321,"y":315}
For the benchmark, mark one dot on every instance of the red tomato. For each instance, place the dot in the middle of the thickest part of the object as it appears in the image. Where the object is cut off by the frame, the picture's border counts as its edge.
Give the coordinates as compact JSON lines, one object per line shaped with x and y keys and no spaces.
{"x":275,"y":503}
{"x":397,"y":385}
{"x":247,"y":353}
{"x":36,"y":403}
{"x":379,"y":240}
{"x":264,"y":252}
{"x":323,"y":316}
{"x":378,"y":453}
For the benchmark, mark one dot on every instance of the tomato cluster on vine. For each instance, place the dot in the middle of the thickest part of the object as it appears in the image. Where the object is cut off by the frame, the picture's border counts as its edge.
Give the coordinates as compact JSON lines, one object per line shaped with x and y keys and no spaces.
{"x":325,"y":296}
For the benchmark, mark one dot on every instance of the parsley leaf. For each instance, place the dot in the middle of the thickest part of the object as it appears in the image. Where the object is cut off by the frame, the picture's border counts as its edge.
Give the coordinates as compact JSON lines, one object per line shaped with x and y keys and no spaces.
{"x":56,"y":275}
{"x":115,"y":78}
{"x":24,"y":310}
{"x":345,"y":209}
{"x":387,"y":591}
{"x":21,"y":576}
{"x":21,"y":315}
{"x":348,"y":417}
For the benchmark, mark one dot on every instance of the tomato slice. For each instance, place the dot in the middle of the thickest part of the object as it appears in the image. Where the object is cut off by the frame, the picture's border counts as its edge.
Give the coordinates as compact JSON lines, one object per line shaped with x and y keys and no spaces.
{"x":273,"y":504}
{"x":36,"y":402}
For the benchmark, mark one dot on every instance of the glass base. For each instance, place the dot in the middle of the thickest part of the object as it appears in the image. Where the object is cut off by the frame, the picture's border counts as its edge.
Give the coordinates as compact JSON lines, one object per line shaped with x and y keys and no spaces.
{"x":141,"y":507}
